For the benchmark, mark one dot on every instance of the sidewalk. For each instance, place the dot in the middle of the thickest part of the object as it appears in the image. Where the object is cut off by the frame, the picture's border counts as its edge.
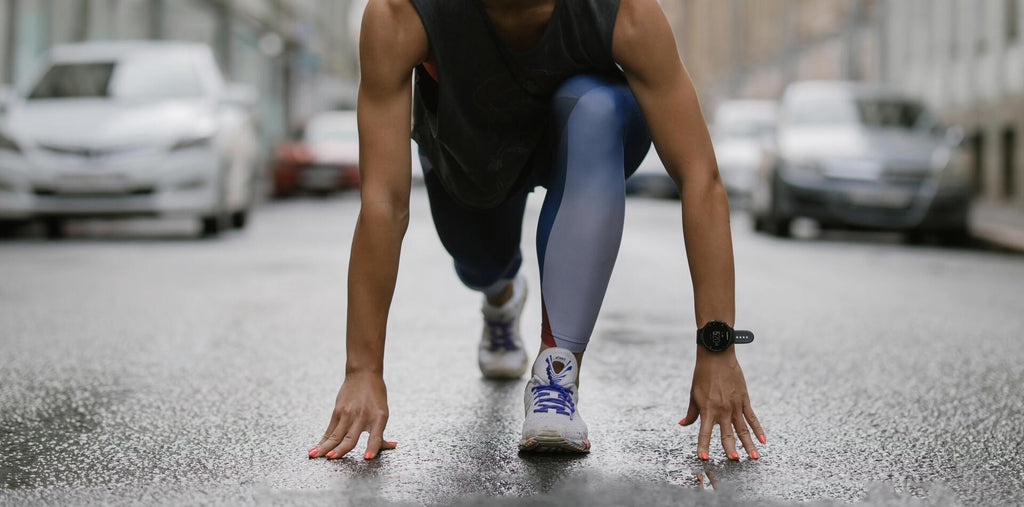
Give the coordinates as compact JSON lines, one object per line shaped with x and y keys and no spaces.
{"x":999,"y":224}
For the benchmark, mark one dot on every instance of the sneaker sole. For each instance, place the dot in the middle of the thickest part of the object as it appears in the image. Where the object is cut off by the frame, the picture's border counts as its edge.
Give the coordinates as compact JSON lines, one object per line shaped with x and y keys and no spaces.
{"x":505,"y":374}
{"x":552,"y":444}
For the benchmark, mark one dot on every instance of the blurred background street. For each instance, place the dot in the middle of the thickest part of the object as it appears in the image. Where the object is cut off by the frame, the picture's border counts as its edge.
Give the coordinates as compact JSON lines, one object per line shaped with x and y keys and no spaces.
{"x":179,"y":183}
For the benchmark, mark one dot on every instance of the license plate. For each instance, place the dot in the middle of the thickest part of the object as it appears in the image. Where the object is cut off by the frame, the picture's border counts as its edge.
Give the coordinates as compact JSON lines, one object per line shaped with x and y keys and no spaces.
{"x":320,"y":177}
{"x":880,"y":197}
{"x":91,"y":184}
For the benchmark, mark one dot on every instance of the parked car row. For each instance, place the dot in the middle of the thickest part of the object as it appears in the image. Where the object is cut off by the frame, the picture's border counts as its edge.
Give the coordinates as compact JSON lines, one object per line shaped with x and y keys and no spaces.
{"x":848,"y":155}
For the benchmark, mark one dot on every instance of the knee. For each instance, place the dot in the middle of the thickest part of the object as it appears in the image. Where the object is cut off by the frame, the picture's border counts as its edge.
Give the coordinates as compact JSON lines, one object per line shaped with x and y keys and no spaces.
{"x":596,"y":107}
{"x":593,"y":100}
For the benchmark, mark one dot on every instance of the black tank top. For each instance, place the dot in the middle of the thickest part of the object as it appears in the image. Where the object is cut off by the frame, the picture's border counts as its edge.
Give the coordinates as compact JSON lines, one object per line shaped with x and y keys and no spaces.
{"x":483,"y":122}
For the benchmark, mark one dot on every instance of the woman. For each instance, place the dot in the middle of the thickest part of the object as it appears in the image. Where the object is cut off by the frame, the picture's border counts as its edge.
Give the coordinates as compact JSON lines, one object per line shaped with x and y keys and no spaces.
{"x":509,"y":95}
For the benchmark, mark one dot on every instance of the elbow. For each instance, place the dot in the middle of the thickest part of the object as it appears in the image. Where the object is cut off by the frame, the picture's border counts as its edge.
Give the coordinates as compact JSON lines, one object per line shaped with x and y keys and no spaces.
{"x":704,"y":185}
{"x":389,"y":214}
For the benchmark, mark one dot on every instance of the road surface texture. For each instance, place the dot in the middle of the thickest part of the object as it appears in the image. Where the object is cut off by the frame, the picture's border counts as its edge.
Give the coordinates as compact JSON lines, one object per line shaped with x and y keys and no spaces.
{"x":141,"y":366}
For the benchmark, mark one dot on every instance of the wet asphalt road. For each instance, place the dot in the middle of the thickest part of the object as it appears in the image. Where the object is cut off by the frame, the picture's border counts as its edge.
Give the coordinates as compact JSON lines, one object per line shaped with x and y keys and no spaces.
{"x":140,"y":366}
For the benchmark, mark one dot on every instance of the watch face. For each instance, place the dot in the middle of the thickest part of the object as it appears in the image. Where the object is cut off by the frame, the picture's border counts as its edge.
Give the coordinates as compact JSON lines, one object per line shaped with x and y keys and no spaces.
{"x":717,"y":336}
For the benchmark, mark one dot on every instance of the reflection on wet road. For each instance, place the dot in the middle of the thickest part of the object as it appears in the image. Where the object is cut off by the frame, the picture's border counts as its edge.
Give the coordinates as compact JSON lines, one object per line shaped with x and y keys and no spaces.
{"x":200,"y":372}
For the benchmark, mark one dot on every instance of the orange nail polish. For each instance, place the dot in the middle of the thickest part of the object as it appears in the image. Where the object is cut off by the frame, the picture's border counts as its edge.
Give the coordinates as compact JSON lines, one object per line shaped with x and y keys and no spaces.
{"x":392,"y":443}
{"x":368,"y":455}
{"x":754,"y":454}
{"x":703,"y":456}
{"x":312,"y":452}
{"x":762,"y":439}
{"x":734,"y":456}
{"x":330,"y":454}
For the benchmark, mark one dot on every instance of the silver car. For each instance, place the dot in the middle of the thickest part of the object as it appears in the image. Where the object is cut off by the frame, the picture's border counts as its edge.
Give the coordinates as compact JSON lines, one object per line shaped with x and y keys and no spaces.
{"x":129,"y":128}
{"x":855,"y":155}
{"x":740,"y":131}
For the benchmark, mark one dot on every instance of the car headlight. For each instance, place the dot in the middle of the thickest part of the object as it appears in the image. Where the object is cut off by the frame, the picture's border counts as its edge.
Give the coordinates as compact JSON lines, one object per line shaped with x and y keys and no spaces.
{"x":805,"y":170}
{"x":188,"y":143}
{"x":8,"y":144}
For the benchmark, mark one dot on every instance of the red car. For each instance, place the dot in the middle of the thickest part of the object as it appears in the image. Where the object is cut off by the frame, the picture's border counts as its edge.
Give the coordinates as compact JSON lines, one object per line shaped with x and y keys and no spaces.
{"x":323,"y":159}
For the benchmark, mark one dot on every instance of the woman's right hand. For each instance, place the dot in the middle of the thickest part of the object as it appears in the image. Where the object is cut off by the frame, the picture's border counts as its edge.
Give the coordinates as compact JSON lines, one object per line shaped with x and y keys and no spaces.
{"x":362,"y":405}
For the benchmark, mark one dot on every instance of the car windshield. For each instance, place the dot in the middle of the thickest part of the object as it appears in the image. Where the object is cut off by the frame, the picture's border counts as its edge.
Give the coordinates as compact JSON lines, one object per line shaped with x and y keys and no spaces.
{"x":867,"y":112}
{"x":331,"y":131}
{"x":132,"y":79}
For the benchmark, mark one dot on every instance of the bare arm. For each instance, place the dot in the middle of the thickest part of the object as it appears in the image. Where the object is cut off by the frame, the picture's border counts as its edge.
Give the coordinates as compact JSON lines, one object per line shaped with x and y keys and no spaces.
{"x":645,"y":48}
{"x":392,"y":42}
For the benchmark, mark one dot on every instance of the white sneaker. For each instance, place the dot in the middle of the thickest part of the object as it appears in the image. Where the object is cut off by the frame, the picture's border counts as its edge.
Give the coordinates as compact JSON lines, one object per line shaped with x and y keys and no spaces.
{"x":501,"y":354}
{"x":553,"y":424}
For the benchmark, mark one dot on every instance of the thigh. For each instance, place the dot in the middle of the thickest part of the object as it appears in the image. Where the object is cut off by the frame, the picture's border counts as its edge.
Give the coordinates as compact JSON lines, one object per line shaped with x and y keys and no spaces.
{"x":476,"y":237}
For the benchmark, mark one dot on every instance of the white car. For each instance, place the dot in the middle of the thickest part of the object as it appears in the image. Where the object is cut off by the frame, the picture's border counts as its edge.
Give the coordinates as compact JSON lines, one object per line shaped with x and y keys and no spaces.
{"x":742,"y":128}
{"x":129,"y":128}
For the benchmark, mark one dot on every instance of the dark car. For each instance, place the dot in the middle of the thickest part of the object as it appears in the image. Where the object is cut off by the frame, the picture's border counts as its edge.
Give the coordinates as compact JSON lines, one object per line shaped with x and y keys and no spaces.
{"x":860,"y":156}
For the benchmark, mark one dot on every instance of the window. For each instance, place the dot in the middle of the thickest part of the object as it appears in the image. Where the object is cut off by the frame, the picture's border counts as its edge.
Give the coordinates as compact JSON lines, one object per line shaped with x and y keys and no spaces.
{"x":1009,"y":163}
{"x":73,"y":80}
{"x":133,"y":79}
{"x":1011,"y":17}
{"x":954,"y":28}
{"x":978,"y":172}
{"x":980,"y":31}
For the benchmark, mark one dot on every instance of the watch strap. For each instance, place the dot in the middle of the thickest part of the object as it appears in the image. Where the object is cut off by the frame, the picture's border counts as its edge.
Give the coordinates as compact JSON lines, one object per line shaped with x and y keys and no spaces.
{"x":743,"y":336}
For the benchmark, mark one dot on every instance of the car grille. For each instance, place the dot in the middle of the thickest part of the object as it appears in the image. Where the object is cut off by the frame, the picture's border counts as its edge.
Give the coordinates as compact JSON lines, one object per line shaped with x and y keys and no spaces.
{"x":907,"y":174}
{"x":50,"y":192}
{"x":75,"y":151}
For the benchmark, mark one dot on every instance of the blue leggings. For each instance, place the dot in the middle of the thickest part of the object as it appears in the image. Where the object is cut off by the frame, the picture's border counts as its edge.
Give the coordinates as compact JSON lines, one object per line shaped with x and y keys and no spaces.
{"x":602,"y":138}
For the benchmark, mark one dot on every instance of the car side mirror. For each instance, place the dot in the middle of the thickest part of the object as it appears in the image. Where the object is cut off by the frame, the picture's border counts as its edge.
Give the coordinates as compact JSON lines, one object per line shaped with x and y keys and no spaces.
{"x":239,"y":95}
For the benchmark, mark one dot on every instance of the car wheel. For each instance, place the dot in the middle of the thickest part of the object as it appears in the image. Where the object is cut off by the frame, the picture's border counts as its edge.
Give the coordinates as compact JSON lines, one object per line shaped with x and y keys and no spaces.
{"x":779,"y":226}
{"x":777,"y":223}
{"x":760,"y":224}
{"x":211,"y":226}
{"x":239,"y":219}
{"x":915,"y":237}
{"x":54,"y":228}
{"x":955,"y":237}
{"x":8,"y":228}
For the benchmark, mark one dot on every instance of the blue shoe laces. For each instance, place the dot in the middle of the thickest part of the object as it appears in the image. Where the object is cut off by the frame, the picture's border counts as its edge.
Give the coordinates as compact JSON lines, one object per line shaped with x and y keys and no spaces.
{"x":499,"y":335}
{"x":553,"y":396}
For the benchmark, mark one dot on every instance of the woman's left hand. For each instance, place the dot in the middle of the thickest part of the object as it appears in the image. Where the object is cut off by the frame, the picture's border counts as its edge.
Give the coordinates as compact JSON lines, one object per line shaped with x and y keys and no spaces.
{"x":718,"y":395}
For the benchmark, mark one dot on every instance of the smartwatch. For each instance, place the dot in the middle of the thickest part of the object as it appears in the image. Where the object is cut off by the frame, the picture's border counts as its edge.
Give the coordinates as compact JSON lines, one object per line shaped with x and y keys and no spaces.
{"x":717,"y":336}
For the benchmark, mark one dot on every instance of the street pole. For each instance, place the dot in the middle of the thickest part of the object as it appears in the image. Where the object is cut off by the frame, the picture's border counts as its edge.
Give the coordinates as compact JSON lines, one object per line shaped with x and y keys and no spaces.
{"x":225,"y":12}
{"x":82,"y":26}
{"x":851,"y":70}
{"x":737,"y":45}
{"x":156,"y":19}
{"x":11,"y":41}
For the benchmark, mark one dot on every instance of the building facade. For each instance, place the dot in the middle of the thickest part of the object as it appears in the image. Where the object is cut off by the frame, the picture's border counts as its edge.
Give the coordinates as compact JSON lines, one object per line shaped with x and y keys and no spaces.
{"x":966,"y":58}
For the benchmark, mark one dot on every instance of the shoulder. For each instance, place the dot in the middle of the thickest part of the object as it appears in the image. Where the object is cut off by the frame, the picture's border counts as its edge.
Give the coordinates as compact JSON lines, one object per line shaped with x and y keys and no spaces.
{"x":637,"y":25}
{"x":634,"y":16}
{"x":394,"y":26}
{"x":385,"y":16}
